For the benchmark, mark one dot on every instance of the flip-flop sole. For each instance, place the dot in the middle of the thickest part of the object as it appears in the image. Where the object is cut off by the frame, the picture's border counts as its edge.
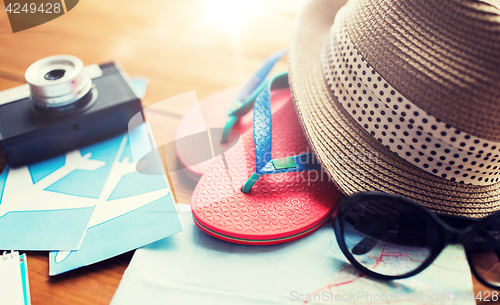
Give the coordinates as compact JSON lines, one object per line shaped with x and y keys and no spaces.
{"x":262,"y":242}
{"x":280,"y":207}
{"x":214,"y":112}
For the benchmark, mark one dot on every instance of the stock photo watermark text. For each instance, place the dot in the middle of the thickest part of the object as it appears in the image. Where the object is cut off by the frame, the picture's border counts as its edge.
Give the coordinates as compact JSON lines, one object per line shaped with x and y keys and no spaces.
{"x":365,"y":296}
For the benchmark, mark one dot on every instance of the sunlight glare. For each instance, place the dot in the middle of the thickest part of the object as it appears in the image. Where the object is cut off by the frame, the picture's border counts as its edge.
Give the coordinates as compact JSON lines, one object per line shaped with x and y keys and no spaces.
{"x":229,"y":13}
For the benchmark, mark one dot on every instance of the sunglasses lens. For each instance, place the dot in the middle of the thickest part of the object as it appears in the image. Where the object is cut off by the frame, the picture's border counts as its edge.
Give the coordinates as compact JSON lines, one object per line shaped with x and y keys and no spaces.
{"x":389,"y":236}
{"x":484,"y":252}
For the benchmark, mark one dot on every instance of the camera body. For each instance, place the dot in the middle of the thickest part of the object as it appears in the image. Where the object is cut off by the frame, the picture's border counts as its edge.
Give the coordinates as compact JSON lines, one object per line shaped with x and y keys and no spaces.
{"x":63,"y":107}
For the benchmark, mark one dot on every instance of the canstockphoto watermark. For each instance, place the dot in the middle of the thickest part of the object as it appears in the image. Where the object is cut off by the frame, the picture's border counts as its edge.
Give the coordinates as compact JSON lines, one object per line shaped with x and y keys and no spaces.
{"x":206,"y":144}
{"x":355,"y":165}
{"x":361,"y":296}
{"x":365,"y":296}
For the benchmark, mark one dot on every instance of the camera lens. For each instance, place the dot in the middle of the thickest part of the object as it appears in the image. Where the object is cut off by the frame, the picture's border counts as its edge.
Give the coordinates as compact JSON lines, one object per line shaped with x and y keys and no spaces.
{"x":57,"y":81}
{"x":54,"y":74}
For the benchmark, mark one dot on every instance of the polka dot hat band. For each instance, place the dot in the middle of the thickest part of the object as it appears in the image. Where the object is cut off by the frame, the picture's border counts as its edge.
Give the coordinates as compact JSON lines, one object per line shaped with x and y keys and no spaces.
{"x":403,"y":97}
{"x":403,"y":127}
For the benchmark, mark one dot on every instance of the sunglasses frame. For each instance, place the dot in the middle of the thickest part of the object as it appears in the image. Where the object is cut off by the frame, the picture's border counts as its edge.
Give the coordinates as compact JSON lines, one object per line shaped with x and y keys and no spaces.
{"x":447,"y":234}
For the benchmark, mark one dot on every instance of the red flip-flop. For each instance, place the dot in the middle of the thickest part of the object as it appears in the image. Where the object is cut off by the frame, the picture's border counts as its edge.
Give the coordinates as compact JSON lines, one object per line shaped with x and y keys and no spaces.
{"x":230,"y":108}
{"x":255,"y":199}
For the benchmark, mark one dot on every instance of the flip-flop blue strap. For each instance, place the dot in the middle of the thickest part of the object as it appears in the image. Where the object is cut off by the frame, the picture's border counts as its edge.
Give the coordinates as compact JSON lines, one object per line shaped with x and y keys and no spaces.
{"x":262,"y":126}
{"x":245,"y":99}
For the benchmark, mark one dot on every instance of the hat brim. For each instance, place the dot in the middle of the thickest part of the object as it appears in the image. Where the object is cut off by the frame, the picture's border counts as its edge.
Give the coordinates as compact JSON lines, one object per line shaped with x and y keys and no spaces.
{"x":353,"y":158}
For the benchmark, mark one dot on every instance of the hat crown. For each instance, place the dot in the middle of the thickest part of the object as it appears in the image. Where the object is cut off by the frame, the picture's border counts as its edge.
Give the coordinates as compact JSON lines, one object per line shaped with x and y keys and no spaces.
{"x":443,"y":55}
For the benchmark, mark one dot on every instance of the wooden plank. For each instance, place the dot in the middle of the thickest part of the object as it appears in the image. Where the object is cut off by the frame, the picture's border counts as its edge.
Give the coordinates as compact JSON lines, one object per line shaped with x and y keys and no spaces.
{"x":6,"y":83}
{"x":94,"y":284}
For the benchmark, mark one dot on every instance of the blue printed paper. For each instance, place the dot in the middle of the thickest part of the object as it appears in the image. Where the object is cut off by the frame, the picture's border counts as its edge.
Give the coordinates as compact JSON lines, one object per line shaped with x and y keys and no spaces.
{"x":47,"y":206}
{"x":134,"y":210}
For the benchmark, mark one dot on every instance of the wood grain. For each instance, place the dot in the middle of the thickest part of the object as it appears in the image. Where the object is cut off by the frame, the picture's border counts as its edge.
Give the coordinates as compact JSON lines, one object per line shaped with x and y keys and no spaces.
{"x":171,"y":43}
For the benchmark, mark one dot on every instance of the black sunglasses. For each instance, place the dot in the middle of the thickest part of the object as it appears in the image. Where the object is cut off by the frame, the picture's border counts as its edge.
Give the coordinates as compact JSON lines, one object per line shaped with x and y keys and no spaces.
{"x":391,"y":237}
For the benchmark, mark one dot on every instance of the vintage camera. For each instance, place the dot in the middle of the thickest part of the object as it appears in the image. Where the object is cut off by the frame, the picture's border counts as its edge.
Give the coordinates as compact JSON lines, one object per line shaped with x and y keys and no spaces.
{"x":64,"y":106}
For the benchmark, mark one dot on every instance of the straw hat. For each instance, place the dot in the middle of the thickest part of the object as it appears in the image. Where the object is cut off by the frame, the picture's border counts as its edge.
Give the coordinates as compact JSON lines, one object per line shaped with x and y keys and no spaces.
{"x":403,"y":97}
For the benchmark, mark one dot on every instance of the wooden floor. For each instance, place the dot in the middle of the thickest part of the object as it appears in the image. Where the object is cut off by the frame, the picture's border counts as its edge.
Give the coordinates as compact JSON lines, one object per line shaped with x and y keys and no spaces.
{"x":181,"y":46}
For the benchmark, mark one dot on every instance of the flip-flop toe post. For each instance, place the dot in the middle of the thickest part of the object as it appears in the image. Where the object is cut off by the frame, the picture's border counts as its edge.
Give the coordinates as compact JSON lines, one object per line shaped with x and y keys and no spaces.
{"x":259,"y":199}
